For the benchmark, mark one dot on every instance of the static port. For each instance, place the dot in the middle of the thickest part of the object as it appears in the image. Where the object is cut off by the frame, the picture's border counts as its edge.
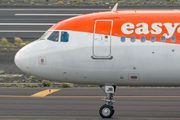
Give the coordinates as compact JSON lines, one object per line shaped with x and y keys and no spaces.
{"x":134,"y":77}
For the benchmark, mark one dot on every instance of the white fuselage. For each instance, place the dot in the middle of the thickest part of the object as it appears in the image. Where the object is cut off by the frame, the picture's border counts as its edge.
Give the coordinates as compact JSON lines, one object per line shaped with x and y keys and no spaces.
{"x":132,"y":63}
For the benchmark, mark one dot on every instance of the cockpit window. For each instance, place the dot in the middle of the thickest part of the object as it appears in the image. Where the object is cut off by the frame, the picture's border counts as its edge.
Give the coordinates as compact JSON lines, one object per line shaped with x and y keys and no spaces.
{"x":64,"y":36}
{"x":45,"y":35}
{"x":54,"y":36}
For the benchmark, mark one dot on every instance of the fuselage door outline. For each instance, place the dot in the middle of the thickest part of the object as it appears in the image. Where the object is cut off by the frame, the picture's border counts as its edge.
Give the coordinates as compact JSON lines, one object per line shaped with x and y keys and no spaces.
{"x":101,"y":48}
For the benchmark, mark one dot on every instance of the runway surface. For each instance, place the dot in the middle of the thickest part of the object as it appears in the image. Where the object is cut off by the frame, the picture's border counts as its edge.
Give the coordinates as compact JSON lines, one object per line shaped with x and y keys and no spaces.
{"x":30,"y":23}
{"x":84,"y":103}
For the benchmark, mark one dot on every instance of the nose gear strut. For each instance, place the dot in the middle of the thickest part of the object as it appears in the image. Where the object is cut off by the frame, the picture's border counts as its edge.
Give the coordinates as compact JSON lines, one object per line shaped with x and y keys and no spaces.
{"x":107,"y":110}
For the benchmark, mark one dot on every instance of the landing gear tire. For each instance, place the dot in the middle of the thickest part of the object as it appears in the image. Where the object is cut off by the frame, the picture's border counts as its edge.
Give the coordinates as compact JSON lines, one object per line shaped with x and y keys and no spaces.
{"x":106,"y":111}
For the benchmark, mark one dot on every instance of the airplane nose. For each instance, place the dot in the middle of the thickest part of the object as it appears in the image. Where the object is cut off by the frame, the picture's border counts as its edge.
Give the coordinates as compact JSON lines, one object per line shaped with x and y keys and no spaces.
{"x":22,"y":59}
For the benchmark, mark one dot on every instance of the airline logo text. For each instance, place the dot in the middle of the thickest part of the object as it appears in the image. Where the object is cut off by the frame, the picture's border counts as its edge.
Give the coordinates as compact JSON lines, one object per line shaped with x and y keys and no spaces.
{"x":156,"y":28}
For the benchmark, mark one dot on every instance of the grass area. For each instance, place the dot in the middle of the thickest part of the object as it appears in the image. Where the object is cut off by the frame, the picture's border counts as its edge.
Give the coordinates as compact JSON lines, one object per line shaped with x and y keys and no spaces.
{"x":21,"y":81}
{"x":67,"y":85}
{"x":20,"y":85}
{"x":2,"y":71}
{"x":34,"y":85}
{"x":46,"y":83}
{"x":18,"y":42}
{"x":82,"y":3}
{"x":6,"y":84}
{"x":92,"y":86}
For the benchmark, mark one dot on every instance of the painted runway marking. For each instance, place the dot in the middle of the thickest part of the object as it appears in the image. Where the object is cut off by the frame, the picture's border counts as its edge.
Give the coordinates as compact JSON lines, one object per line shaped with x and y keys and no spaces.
{"x":45,"y":93}
{"x":47,"y":14}
{"x":27,"y":23}
{"x":21,"y":31}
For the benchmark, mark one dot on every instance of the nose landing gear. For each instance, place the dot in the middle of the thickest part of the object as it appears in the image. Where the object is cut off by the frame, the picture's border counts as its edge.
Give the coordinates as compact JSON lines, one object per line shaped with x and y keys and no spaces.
{"x":107,"y":110}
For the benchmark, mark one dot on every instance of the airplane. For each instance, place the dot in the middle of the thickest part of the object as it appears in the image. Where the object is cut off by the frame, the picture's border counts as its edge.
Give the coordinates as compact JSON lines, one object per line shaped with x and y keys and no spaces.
{"x":109,"y":49}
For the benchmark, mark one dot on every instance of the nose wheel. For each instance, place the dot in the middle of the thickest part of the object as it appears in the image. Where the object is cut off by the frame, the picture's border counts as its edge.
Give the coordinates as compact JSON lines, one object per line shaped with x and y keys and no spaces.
{"x":107,"y":110}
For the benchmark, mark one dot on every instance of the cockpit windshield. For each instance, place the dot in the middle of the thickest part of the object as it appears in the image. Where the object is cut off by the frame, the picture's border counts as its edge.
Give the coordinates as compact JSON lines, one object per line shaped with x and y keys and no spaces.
{"x":45,"y":35}
{"x":51,"y":35}
{"x":54,"y":36}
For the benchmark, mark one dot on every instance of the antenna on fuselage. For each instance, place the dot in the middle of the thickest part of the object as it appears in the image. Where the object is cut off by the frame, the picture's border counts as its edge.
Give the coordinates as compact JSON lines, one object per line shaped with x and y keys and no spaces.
{"x":115,"y":7}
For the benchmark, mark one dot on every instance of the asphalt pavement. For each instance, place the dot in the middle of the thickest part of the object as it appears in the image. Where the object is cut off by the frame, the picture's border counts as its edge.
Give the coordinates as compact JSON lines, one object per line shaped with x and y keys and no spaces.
{"x":31,"y":23}
{"x":26,"y":23}
{"x":84,"y":103}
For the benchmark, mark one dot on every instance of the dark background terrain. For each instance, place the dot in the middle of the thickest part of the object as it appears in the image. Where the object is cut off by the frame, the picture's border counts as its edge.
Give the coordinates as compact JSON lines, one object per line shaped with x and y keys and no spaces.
{"x":86,"y":3}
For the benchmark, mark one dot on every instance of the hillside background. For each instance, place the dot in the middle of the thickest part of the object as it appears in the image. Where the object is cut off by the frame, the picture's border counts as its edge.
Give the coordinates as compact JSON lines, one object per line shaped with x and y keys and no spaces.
{"x":86,"y":3}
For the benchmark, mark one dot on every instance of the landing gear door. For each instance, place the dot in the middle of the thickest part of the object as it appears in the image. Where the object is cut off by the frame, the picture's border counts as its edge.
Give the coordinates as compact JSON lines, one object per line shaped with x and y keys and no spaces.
{"x":102,"y":39}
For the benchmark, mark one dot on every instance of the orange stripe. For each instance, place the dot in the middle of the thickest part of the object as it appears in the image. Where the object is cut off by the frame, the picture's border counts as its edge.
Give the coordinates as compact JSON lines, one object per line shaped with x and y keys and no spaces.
{"x":85,"y":23}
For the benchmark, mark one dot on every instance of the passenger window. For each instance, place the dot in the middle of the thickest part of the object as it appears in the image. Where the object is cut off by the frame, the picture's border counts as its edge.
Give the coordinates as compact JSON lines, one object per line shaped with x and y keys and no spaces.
{"x":143,"y":38}
{"x":54,"y":36}
{"x":173,"y":39}
{"x":133,"y":38}
{"x":64,"y":36}
{"x":163,"y":39}
{"x":153,"y":38}
{"x":123,"y":38}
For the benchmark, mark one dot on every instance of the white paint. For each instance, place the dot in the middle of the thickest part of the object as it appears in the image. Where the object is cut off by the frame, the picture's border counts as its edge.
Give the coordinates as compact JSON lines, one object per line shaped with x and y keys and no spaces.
{"x":143,"y":29}
{"x":156,"y":28}
{"x":126,"y":26}
{"x":106,"y":72}
{"x":115,"y":7}
{"x":178,"y":30}
{"x":27,"y":23}
{"x":109,"y":89}
{"x":170,"y":29}
{"x":46,"y":14}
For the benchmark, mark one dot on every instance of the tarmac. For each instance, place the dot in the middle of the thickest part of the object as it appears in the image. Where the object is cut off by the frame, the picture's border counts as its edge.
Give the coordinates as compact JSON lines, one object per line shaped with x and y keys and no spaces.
{"x":137,"y":103}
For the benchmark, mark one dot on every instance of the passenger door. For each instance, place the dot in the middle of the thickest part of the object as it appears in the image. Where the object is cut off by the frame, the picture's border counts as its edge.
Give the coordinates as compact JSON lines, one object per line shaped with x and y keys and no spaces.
{"x":102,"y":38}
